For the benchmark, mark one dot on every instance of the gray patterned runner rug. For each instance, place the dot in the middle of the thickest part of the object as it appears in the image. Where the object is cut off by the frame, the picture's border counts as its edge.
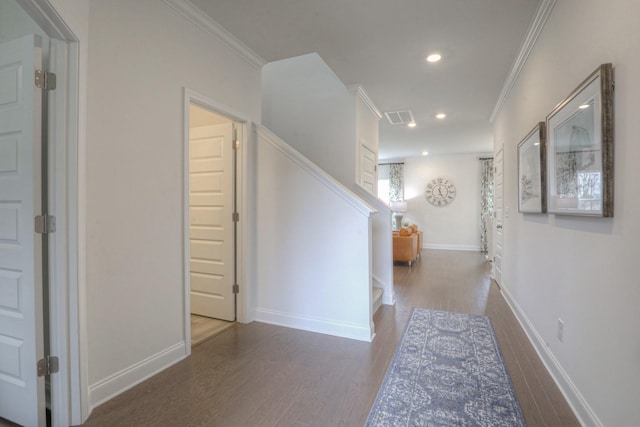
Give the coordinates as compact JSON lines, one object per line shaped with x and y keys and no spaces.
{"x":446,"y":371}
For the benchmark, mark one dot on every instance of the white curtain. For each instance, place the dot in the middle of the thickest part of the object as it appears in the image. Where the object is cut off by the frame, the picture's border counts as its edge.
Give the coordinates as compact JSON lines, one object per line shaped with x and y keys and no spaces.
{"x":486,"y":199}
{"x":396,"y":182}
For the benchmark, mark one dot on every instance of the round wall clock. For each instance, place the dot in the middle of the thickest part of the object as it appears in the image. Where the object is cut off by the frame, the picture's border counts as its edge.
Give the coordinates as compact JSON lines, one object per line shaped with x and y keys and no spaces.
{"x":440,"y":192}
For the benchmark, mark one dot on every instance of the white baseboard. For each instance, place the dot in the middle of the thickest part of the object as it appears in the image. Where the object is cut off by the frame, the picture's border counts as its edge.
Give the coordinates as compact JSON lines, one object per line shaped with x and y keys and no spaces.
{"x":311,"y":324}
{"x":574,"y":398}
{"x":452,"y":247}
{"x":122,"y":381}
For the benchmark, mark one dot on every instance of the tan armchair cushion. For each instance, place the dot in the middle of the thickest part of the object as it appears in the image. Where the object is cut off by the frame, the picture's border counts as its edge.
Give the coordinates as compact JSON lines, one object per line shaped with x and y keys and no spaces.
{"x":405,"y":248}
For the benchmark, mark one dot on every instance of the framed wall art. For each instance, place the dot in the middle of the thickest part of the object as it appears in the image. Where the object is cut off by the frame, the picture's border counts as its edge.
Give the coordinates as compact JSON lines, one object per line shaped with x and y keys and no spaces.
{"x":580,"y":149}
{"x":532,"y":190}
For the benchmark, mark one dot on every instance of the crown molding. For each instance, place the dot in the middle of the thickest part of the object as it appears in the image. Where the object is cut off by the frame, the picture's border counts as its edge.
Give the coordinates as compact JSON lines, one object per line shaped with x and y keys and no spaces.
{"x":215,"y":30}
{"x":359,"y":91}
{"x":539,"y":20}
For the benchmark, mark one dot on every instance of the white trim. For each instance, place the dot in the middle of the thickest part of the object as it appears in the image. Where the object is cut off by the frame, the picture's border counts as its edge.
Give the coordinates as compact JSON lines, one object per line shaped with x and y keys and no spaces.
{"x":574,"y":398}
{"x":215,"y":30}
{"x":474,"y":248}
{"x":313,"y":170}
{"x":127,"y":378}
{"x":359,"y":91}
{"x":186,"y":255}
{"x":537,"y":24}
{"x":314,"y":324}
{"x":59,"y":270}
{"x":243,"y":308}
{"x":242,"y":312}
{"x":48,"y":19}
{"x":213,"y":105}
{"x":69,"y":388}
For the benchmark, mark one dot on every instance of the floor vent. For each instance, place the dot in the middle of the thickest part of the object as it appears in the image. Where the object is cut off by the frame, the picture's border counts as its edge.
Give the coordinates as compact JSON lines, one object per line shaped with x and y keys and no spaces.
{"x":401,"y":117}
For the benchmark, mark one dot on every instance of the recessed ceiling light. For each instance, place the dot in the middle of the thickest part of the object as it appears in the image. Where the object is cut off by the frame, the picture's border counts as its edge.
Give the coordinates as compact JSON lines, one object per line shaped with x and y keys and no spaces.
{"x":425,"y":153}
{"x":412,"y":124}
{"x":441,"y":116}
{"x":536,"y":143}
{"x":583,"y":106}
{"x":434,"y":57}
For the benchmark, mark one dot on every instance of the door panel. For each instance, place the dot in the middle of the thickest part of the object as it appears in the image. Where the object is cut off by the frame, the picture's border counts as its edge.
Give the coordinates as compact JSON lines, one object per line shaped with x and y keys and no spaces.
{"x":22,"y":397}
{"x":368,"y":164}
{"x":211,"y":241}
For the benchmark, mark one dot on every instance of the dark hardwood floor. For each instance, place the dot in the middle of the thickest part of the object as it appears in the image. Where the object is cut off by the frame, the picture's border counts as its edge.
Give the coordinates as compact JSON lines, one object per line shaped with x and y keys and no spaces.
{"x":265,"y":375}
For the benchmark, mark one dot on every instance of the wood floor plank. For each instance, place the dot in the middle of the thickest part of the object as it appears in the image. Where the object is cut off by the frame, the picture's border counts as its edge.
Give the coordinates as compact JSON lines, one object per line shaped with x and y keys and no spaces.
{"x":265,"y":375}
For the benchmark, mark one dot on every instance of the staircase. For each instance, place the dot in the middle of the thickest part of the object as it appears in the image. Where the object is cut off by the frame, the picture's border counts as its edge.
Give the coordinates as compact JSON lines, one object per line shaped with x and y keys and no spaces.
{"x":314,"y":266}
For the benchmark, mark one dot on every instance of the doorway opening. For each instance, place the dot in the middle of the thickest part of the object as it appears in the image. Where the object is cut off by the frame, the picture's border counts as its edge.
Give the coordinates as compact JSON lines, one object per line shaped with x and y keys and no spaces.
{"x":211,"y":221}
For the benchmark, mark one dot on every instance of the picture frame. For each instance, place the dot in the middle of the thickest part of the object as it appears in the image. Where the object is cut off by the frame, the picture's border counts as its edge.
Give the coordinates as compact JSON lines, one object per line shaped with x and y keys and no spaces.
{"x":532,"y":191}
{"x":580,"y":162}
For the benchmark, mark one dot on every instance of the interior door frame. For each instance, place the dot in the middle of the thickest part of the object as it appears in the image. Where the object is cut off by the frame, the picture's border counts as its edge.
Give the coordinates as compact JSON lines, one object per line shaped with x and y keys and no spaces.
{"x":193,"y":97}
{"x":69,"y":387}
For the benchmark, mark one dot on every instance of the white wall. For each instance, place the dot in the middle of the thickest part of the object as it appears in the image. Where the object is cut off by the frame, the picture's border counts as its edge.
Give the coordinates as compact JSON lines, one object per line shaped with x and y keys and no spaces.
{"x":313,"y":256}
{"x":142,"y":55}
{"x":583,"y":270}
{"x":305,"y":104}
{"x":456,"y":226}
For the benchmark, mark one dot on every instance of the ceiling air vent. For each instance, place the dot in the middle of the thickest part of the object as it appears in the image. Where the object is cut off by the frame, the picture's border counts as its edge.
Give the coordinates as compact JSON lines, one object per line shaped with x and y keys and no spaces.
{"x":399,"y":117}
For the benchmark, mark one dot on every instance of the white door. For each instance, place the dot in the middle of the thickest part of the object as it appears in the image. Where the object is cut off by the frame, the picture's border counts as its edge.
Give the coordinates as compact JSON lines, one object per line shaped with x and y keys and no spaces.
{"x":368,"y":164}
{"x":211,"y":226}
{"x":22,"y":397}
{"x":498,"y":204}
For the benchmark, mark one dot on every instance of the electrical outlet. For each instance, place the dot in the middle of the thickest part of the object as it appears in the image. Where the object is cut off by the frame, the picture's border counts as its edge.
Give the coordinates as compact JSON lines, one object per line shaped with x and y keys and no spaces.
{"x":560,"y":329}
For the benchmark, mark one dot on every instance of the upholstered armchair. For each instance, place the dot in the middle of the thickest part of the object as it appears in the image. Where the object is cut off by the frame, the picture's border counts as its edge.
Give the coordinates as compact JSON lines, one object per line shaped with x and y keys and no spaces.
{"x":405,"y":245}
{"x":414,"y":230}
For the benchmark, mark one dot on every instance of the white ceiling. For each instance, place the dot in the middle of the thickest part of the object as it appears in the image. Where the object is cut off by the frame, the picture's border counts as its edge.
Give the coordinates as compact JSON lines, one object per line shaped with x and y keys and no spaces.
{"x":382,"y":45}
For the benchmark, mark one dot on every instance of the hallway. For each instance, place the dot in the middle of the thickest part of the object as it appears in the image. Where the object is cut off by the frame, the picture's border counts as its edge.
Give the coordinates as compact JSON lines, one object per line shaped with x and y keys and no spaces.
{"x":265,"y":375}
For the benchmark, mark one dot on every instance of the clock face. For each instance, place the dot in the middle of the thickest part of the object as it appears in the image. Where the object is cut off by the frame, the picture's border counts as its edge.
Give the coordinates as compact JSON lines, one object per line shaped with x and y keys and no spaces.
{"x":440,"y":192}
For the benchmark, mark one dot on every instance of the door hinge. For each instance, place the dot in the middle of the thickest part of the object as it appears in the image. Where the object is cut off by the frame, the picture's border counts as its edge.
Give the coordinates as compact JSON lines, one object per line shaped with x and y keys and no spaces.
{"x":47,"y":366}
{"x":236,"y":289}
{"x":235,"y":217}
{"x":45,"y":80}
{"x":45,"y":224}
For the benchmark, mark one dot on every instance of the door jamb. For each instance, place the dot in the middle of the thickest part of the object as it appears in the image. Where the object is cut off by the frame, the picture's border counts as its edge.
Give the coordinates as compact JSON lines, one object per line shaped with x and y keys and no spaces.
{"x":69,"y":387}
{"x":193,"y":97}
